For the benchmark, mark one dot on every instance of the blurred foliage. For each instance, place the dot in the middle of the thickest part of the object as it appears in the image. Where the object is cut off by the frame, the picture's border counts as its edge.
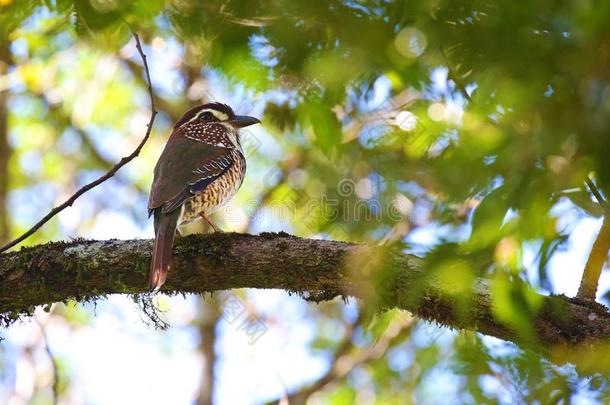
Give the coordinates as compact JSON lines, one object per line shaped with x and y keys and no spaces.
{"x":473,"y":123}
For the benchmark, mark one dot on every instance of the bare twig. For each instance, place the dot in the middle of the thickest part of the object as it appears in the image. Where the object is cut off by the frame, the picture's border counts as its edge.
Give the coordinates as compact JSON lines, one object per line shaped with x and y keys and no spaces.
{"x":111,"y":173}
{"x":595,"y":191}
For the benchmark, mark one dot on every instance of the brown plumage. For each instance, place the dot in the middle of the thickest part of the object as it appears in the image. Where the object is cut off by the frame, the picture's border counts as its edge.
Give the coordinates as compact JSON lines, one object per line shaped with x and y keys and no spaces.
{"x":201,"y":167}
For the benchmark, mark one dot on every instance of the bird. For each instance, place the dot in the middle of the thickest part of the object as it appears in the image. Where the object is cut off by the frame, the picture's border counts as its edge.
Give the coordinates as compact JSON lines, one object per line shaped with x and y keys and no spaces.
{"x":201,"y":168}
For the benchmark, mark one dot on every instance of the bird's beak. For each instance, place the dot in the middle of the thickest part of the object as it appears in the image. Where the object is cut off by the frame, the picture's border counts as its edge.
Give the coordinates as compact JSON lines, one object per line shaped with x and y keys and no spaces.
{"x":240,"y":121}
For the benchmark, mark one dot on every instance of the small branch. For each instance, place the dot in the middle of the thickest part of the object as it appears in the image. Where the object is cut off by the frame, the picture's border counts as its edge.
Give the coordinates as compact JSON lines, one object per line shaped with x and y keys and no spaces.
{"x":595,"y":191}
{"x":595,"y":262}
{"x":111,"y":173}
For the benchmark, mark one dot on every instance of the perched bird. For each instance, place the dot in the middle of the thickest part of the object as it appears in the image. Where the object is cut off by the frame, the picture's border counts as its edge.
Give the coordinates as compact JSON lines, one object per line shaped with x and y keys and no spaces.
{"x":201,"y":167}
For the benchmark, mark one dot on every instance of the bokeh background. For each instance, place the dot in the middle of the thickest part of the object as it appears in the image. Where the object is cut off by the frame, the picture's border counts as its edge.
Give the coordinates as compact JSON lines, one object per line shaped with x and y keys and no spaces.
{"x":461,"y":131}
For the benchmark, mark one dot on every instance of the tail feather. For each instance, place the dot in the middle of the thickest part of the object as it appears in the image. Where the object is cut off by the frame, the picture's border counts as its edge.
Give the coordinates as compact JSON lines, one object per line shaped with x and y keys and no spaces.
{"x":165,"y":230}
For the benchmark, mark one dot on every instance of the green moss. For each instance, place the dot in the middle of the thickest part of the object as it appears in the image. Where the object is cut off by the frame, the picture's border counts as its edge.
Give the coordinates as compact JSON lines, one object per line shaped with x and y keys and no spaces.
{"x":141,"y":267}
{"x":282,"y":246}
{"x":275,"y":235}
{"x":116,"y":279}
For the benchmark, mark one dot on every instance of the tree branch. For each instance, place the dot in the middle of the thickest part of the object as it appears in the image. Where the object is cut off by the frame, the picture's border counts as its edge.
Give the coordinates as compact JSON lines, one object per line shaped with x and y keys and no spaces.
{"x":595,"y":262}
{"x":595,"y":191}
{"x":111,"y":172}
{"x":316,"y":269}
{"x":5,"y":149}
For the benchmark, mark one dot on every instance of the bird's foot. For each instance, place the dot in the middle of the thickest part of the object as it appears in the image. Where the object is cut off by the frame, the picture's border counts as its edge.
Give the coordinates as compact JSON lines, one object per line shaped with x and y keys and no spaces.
{"x":214,"y":227}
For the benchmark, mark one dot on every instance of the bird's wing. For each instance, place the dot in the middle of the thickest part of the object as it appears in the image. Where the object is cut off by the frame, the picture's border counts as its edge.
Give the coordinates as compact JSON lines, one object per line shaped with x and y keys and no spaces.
{"x":185,"y":167}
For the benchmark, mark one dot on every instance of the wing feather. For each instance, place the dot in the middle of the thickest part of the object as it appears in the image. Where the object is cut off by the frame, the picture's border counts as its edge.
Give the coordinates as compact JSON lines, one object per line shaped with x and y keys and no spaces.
{"x":186,"y":167}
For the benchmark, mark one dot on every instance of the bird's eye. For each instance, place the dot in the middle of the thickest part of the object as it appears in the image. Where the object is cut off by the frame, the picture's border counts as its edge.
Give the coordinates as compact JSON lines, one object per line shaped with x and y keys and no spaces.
{"x":207,"y":116}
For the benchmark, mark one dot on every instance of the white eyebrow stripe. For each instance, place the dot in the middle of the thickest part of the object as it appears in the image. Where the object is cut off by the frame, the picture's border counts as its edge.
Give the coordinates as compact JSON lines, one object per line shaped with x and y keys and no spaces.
{"x":218,"y":114}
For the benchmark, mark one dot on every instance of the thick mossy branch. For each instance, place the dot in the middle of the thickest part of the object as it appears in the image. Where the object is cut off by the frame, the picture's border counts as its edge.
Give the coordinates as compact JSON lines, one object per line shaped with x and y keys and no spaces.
{"x":316,"y":269}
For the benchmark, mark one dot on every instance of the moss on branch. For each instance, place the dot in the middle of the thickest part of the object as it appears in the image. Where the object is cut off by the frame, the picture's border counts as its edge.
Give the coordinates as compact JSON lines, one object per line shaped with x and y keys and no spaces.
{"x":316,"y":269}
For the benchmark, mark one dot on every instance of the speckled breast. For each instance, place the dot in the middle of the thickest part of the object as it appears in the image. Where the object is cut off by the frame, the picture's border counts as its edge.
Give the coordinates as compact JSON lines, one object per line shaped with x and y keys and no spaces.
{"x":219,"y":192}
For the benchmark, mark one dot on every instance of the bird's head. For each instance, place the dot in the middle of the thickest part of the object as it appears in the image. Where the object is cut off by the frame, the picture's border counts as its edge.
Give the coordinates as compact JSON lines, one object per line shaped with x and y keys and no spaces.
{"x":216,"y":112}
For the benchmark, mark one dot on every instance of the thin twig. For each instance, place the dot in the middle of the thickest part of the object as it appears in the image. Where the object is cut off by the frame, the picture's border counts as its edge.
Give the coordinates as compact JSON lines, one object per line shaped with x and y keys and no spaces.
{"x":595,"y":191}
{"x":111,"y":173}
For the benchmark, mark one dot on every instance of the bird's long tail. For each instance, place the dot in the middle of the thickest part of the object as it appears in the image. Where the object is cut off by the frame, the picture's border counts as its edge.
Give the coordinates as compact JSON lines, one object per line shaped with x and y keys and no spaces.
{"x":165,"y":230}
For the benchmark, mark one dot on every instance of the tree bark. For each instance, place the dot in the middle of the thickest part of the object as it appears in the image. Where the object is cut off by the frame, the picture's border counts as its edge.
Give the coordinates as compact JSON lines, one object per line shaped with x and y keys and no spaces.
{"x":595,"y":263}
{"x":5,"y":149}
{"x":564,"y":329}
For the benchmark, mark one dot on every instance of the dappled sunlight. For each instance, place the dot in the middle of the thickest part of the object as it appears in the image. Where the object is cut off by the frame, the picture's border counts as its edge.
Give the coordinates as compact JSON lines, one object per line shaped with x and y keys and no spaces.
{"x":449,"y":158}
